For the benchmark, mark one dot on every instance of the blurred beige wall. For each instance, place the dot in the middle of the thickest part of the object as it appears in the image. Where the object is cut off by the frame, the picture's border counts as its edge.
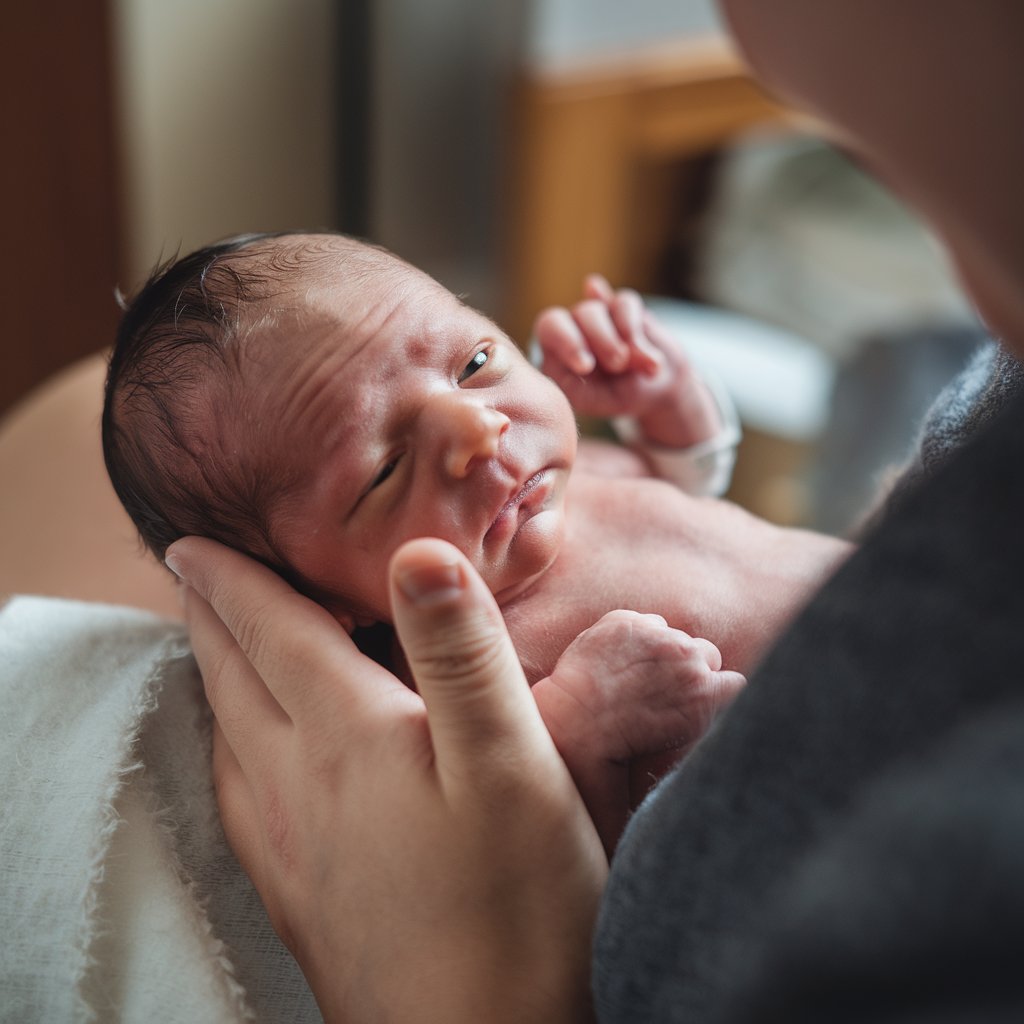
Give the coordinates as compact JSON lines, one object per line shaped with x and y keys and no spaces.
{"x":444,"y":79}
{"x":227,"y":117}
{"x":227,"y":120}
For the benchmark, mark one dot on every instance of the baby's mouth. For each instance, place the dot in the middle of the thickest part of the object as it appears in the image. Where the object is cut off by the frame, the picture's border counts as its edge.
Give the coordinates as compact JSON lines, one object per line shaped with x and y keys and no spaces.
{"x":507,"y":513}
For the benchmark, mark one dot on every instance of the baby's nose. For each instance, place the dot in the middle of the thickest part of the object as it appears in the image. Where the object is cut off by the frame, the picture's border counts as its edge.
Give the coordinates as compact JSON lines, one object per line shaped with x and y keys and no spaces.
{"x":471,"y":432}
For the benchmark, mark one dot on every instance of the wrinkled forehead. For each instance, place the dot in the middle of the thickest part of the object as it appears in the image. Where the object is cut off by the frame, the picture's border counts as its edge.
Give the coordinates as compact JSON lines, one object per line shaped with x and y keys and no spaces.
{"x":312,"y":277}
{"x":333,"y":297}
{"x":335,"y":313}
{"x":312,"y":286}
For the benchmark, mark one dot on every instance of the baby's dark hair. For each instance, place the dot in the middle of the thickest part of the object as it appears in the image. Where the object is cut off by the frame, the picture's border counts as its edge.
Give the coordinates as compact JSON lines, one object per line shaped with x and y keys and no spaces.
{"x":175,"y":403}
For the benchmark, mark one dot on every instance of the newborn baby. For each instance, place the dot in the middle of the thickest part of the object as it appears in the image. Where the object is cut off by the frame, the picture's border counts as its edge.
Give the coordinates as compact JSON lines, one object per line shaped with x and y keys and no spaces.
{"x":315,"y":402}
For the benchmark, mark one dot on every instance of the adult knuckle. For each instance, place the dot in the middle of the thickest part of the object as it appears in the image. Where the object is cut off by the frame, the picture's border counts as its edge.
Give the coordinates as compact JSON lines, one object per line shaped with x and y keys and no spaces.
{"x":252,"y":627}
{"x":475,"y":657}
{"x":214,"y":674}
{"x":277,"y":829}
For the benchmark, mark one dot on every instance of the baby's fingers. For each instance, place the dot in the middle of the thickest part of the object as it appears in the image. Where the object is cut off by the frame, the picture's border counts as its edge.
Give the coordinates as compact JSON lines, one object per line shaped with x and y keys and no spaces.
{"x":562,"y":341}
{"x":627,"y":312}
{"x":711,"y":655}
{"x":596,"y":286}
{"x":601,"y":335}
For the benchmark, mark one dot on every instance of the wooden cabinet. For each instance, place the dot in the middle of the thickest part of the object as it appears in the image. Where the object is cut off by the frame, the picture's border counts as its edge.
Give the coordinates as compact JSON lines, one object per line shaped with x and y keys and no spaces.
{"x":600,"y":150}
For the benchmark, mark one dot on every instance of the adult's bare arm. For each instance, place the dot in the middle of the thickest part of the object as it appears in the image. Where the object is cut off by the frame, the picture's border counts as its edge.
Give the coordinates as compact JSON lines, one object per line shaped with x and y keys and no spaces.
{"x":424,"y":856}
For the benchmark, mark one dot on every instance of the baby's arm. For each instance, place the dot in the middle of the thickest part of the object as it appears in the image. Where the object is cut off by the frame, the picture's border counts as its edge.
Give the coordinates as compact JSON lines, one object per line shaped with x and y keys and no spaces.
{"x":626,"y":700}
{"x":613,"y":359}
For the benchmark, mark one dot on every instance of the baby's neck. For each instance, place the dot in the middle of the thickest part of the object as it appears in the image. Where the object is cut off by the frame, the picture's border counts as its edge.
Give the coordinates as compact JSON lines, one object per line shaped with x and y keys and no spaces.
{"x":708,"y":567}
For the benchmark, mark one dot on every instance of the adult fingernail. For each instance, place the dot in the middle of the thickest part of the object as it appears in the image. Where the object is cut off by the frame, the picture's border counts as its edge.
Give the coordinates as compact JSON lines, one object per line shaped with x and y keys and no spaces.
{"x":427,"y":585}
{"x":174,"y":564}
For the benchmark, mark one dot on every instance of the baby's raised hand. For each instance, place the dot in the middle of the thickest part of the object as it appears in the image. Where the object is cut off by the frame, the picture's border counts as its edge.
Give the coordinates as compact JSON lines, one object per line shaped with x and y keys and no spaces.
{"x":611,"y":357}
{"x":630,"y":692}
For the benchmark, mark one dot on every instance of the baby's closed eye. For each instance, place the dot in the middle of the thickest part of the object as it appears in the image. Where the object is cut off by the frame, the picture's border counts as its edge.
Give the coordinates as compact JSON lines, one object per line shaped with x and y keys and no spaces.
{"x":385,"y":472}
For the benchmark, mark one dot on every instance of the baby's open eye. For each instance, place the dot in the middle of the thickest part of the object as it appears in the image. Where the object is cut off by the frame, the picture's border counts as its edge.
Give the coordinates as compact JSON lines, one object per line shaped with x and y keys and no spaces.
{"x":473,"y":365}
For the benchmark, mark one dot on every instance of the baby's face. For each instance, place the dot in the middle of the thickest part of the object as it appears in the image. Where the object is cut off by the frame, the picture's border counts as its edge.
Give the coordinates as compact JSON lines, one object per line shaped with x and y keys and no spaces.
{"x":407,"y":414}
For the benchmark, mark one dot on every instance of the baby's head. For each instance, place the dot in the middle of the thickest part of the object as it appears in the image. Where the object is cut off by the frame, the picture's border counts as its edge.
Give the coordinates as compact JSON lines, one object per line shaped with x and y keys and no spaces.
{"x":314,"y":401}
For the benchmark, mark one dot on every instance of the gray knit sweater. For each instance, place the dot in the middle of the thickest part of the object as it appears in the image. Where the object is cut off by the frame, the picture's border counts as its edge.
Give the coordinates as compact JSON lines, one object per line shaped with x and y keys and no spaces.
{"x":847,"y":843}
{"x":965,"y":406}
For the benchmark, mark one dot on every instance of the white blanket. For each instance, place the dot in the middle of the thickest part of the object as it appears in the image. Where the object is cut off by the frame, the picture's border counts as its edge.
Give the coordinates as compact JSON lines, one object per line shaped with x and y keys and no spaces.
{"x":119,"y":899}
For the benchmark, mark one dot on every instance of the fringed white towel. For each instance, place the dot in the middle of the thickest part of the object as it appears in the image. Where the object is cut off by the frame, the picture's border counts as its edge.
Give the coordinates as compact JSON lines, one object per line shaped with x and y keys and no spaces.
{"x":119,"y":899}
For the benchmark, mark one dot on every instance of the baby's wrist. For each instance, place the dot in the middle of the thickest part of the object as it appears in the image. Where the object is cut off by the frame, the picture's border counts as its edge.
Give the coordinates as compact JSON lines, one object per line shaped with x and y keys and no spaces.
{"x":697,"y":456}
{"x":685,"y":413}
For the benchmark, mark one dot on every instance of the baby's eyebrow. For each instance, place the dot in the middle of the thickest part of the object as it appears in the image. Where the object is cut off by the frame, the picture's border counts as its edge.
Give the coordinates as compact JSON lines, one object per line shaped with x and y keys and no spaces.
{"x":421,"y":349}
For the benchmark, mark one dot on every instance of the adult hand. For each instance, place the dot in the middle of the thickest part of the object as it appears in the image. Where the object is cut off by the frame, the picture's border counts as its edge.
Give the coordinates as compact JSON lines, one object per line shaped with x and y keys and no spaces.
{"x":424,"y":856}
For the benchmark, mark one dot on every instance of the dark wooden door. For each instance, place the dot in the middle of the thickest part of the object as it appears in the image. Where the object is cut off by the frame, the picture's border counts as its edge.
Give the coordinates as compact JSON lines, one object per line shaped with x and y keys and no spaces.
{"x":59,"y":255}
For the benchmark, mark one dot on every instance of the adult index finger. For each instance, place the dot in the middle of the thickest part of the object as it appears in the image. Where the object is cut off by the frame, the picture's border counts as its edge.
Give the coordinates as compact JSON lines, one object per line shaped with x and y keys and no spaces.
{"x":301,"y":653}
{"x":247,"y":711}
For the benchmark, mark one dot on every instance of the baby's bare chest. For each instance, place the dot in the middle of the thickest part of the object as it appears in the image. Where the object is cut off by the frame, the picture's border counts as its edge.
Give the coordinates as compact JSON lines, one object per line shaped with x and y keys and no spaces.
{"x":627,"y":545}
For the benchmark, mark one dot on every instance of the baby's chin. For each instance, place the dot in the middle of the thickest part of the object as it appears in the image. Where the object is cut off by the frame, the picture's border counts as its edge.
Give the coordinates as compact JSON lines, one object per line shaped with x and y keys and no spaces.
{"x":530,"y":554}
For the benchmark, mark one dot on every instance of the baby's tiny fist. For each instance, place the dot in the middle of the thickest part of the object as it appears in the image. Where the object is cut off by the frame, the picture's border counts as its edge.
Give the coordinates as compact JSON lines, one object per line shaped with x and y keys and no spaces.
{"x":627,"y":698}
{"x":642,"y":686}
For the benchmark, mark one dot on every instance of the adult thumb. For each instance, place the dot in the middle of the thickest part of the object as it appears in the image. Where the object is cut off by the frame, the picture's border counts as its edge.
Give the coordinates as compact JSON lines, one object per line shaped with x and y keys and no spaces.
{"x":482,"y":715}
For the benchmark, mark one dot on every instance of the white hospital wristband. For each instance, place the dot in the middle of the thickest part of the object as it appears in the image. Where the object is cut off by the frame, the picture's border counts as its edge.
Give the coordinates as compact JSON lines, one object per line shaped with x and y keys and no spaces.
{"x":702,"y":469}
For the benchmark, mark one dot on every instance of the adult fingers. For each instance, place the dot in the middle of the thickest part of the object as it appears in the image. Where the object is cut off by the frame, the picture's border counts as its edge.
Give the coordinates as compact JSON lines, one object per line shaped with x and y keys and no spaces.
{"x":482,"y":716}
{"x":234,"y":689}
{"x":302,"y":654}
{"x":238,"y":809}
